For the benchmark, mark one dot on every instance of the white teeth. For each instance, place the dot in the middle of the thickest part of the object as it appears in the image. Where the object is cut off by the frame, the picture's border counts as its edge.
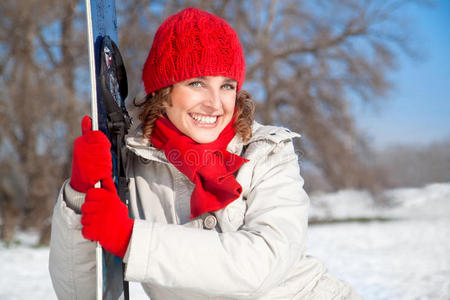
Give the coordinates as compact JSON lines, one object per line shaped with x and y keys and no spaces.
{"x":204,"y":119}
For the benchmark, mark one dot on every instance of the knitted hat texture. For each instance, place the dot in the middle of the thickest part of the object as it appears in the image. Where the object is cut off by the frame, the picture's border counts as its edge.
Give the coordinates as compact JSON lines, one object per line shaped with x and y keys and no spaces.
{"x":193,"y":43}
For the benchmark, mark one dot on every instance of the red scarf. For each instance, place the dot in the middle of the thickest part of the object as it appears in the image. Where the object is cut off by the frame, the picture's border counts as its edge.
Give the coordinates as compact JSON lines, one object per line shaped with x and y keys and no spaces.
{"x":209,"y":166}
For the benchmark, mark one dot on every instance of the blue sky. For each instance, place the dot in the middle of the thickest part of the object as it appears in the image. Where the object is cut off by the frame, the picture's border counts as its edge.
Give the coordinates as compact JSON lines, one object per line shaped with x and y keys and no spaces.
{"x":417,"y":111}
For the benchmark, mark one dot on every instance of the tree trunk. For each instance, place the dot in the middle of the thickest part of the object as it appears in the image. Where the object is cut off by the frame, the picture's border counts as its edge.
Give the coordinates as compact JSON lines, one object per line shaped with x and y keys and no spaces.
{"x":10,"y":215}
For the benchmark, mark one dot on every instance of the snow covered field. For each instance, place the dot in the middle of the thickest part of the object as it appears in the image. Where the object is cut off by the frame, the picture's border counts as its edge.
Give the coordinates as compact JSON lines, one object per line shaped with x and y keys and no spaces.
{"x":407,"y":258}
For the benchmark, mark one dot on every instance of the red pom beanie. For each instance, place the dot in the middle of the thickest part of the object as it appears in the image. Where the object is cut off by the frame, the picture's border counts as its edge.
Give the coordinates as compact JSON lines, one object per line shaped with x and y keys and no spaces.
{"x":193,"y":43}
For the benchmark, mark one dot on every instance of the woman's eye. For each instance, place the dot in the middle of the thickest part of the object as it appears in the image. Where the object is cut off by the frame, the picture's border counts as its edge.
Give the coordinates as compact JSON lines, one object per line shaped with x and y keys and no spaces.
{"x":196,"y":83}
{"x":229,"y":86}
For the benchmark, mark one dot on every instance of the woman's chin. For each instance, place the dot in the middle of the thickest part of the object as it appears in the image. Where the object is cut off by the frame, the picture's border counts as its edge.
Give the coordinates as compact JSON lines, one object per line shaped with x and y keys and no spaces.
{"x":204,"y":138}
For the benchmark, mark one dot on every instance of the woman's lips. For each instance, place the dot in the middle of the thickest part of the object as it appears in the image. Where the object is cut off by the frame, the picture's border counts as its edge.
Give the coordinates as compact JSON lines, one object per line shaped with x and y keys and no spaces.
{"x":204,"y":120}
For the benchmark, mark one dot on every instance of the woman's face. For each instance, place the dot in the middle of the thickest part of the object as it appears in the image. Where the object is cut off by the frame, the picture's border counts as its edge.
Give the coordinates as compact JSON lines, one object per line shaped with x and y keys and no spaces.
{"x":201,"y":107}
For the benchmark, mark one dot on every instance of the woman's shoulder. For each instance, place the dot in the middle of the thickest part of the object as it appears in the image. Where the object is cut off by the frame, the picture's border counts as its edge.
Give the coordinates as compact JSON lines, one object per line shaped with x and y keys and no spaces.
{"x":140,"y":146}
{"x":274,"y":134}
{"x":265,"y":138}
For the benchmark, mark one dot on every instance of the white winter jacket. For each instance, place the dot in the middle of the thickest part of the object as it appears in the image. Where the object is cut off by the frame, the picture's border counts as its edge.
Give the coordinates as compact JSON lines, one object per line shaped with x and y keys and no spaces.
{"x":252,"y":249}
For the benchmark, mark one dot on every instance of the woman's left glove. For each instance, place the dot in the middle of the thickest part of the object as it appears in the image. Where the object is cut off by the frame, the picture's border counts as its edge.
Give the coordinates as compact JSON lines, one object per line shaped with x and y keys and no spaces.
{"x":105,"y":219}
{"x":91,"y":160}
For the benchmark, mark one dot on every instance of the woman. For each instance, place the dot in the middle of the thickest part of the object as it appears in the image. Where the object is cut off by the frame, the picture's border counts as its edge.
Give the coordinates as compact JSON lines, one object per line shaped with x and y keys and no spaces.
{"x":217,"y":207}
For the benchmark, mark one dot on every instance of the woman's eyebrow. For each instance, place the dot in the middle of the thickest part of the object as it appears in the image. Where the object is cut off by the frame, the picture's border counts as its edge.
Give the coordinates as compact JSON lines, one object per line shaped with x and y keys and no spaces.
{"x":226,"y":80}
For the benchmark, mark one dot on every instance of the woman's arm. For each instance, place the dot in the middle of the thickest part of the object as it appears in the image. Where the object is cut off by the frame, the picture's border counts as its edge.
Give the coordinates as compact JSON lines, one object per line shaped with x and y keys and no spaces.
{"x":72,"y":258}
{"x":244,"y":263}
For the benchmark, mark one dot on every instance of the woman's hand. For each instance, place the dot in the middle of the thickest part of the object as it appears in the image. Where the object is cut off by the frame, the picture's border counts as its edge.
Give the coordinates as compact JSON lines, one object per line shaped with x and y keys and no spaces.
{"x":105,"y":219}
{"x":91,"y":158}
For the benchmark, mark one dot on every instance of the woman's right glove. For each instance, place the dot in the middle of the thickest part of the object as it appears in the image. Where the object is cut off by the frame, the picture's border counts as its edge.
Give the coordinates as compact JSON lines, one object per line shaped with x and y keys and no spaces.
{"x":91,"y":158}
{"x":105,"y":219}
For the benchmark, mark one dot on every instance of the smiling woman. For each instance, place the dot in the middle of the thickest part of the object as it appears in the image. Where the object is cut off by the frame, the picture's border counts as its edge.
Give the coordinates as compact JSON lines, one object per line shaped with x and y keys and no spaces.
{"x":217,"y":208}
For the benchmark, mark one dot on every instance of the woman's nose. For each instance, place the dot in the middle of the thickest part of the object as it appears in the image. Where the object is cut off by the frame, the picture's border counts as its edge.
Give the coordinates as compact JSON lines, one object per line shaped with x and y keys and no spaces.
{"x":212,"y":99}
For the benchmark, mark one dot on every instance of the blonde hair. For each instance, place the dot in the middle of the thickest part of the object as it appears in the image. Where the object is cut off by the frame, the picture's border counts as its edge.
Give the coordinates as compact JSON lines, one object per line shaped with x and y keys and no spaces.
{"x":153,"y":107}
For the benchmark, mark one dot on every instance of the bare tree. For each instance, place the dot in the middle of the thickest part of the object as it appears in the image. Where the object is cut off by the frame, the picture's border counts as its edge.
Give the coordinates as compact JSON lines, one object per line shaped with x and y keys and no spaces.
{"x":305,"y":61}
{"x":13,"y":188}
{"x":38,"y":105}
{"x":408,"y":165}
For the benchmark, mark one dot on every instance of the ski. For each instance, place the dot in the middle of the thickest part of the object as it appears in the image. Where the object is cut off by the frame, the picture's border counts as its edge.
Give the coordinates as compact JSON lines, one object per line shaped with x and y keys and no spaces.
{"x":109,"y":89}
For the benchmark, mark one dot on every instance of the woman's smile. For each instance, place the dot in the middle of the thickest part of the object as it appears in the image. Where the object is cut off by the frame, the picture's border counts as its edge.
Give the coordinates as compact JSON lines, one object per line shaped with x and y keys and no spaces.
{"x":204,"y":120}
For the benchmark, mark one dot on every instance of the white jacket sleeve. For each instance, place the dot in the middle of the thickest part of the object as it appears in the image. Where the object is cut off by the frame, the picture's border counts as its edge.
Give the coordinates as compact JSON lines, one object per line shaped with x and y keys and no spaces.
{"x":72,"y":258}
{"x":240,"y":264}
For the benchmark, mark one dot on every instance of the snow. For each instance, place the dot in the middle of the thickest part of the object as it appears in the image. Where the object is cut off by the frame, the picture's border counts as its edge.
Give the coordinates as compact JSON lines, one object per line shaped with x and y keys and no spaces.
{"x":407,"y":257}
{"x":388,"y":260}
{"x":430,"y":201}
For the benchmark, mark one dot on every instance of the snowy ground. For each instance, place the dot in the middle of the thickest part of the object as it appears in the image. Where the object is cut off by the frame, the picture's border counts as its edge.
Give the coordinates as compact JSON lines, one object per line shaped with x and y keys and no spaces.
{"x":407,"y":258}
{"x":395,"y":260}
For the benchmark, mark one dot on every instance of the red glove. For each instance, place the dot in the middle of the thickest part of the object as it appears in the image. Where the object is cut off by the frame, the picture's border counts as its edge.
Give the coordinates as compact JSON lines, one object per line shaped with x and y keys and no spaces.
{"x":105,"y":219}
{"x":91,"y":158}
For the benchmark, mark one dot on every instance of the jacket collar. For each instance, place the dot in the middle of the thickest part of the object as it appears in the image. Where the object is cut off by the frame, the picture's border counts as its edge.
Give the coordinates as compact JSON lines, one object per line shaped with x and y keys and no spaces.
{"x":136,"y":143}
{"x":139,"y":145}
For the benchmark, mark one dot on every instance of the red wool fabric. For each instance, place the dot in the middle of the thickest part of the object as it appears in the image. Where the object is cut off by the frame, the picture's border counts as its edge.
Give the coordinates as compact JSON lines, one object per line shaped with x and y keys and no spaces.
{"x":105,"y":219}
{"x":193,"y":43}
{"x":91,"y":159}
{"x":209,"y":166}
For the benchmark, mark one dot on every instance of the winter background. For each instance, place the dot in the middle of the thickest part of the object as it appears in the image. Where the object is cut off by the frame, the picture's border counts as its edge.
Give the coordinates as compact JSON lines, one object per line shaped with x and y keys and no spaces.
{"x":396,"y":249}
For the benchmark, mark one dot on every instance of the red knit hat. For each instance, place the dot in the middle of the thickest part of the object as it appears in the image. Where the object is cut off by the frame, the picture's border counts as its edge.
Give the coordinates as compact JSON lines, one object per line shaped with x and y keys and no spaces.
{"x":193,"y":43}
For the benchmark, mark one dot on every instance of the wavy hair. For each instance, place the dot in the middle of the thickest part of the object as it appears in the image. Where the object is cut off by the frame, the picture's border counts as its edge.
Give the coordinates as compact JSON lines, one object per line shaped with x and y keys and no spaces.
{"x":153,"y":107}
